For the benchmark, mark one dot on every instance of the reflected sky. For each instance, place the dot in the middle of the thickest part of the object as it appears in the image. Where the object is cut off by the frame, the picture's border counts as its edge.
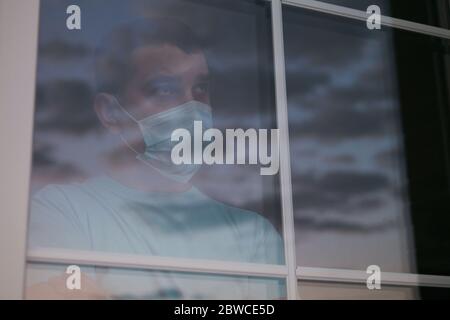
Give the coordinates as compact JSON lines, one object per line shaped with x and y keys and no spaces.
{"x":87,"y":210}
{"x":431,"y":12}
{"x":346,"y":145}
{"x":345,"y":140}
{"x":65,"y":87}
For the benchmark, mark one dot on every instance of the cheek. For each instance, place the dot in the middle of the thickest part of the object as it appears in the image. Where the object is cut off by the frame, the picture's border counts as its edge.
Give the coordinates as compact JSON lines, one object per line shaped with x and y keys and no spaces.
{"x":202,"y":96}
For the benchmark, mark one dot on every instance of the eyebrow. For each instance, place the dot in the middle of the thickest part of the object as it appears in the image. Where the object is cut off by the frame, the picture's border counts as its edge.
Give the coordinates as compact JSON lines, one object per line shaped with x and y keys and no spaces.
{"x":161,"y":77}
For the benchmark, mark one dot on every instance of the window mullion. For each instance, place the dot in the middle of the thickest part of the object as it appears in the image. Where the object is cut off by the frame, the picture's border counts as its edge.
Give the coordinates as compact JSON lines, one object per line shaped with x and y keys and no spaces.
{"x":360,"y":276}
{"x":285,"y":167}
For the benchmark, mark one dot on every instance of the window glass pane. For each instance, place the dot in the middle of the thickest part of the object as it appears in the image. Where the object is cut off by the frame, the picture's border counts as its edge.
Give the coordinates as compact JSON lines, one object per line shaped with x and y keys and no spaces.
{"x":311,"y":290}
{"x":48,"y":281}
{"x":109,"y":97}
{"x":368,"y":121}
{"x":431,"y":12}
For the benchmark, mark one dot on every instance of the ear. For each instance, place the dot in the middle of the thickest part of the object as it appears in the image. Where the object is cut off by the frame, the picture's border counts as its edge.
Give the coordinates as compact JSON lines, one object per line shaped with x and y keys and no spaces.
{"x":106,"y":109}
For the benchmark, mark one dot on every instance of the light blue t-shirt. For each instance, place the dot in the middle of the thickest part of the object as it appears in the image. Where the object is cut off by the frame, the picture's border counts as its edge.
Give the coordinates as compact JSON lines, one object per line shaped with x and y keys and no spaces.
{"x":104,"y":215}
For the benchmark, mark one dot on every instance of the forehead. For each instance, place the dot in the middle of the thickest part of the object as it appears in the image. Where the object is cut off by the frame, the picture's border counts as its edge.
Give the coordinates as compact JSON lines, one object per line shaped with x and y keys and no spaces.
{"x":169,"y":60}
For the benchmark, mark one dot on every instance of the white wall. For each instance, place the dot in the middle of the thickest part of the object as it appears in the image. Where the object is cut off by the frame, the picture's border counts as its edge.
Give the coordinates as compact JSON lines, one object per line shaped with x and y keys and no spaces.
{"x":18,"y":41}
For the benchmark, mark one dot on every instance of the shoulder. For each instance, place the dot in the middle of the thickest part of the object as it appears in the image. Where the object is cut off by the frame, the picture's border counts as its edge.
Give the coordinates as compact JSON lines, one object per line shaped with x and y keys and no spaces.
{"x":55,"y":193}
{"x":233,"y":213}
{"x":54,"y":220}
{"x":249,"y":223}
{"x":59,"y":203}
{"x":63,"y":195}
{"x":265,"y":241}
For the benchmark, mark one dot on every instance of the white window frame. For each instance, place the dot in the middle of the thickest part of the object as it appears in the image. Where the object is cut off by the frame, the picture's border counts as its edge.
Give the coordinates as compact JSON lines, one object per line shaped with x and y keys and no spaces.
{"x":360,"y":276}
{"x":18,"y":54}
{"x":18,"y":43}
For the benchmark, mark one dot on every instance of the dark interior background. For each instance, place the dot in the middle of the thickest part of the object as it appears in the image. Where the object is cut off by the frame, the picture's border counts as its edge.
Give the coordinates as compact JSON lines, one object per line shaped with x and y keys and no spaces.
{"x":424,"y":93}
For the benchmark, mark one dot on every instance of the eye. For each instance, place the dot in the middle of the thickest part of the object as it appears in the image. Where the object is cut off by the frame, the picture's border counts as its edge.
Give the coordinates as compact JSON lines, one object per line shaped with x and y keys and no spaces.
{"x":161,"y":89}
{"x":164,"y":90}
{"x":202,"y":88}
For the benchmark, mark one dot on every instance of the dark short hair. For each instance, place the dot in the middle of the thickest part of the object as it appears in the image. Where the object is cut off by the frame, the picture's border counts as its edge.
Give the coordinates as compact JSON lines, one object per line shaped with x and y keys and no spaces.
{"x":112,"y":57}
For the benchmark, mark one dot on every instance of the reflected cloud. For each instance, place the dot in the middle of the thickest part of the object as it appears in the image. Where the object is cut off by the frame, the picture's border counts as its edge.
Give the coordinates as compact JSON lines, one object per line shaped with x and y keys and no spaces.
{"x":342,"y":226}
{"x":362,"y":124}
{"x":59,"y":50}
{"x":66,"y":106}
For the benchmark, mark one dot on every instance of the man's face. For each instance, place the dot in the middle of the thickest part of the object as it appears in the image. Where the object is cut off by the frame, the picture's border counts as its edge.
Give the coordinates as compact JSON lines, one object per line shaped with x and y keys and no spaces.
{"x":164,"y":77}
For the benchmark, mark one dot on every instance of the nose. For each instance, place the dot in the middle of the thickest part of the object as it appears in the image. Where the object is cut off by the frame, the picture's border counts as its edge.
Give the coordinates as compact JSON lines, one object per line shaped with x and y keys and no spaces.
{"x":188,"y":95}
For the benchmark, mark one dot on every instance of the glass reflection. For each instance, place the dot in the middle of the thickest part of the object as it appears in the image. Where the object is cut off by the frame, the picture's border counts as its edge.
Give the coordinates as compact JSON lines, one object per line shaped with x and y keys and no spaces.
{"x":346,"y":145}
{"x":309,"y":290}
{"x":118,"y":284}
{"x":107,"y":100}
{"x":431,"y":12}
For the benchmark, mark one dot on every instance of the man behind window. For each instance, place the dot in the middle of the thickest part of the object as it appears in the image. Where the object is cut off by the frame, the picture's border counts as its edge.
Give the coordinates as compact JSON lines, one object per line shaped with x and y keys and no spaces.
{"x":152,"y":78}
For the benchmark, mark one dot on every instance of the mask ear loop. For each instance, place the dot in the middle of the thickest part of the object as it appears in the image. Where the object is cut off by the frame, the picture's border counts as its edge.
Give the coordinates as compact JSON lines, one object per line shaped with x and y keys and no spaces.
{"x":124,"y":110}
{"x":138,"y":154}
{"x":120,"y":133}
{"x":127,"y":144}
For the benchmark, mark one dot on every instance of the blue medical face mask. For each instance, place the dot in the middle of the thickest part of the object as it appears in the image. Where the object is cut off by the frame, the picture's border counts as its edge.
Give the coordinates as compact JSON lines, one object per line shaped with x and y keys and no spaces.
{"x":157,"y":131}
